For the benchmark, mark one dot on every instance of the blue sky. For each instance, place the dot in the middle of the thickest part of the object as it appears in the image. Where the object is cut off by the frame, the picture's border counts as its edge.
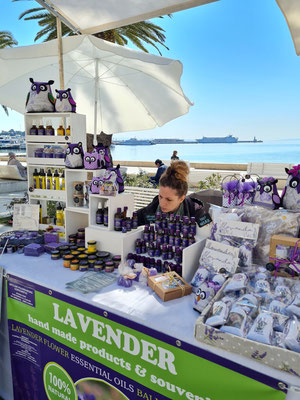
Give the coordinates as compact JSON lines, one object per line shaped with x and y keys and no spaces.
{"x":239,"y":68}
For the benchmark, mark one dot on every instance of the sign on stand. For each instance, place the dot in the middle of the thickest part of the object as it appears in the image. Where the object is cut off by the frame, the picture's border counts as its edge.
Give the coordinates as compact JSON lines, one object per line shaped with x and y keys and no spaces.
{"x":26,"y":217}
{"x":63,"y":348}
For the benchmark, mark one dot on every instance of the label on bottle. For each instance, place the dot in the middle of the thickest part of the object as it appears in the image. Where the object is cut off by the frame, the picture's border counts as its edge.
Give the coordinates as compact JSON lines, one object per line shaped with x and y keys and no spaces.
{"x":105,"y":220}
{"x":49,"y":183}
{"x":118,"y":224}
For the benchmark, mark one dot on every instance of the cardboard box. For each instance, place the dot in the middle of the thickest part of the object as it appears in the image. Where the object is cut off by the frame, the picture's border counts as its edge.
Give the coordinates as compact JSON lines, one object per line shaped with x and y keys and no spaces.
{"x":169,"y":285}
{"x":281,"y":240}
{"x":275,"y":357}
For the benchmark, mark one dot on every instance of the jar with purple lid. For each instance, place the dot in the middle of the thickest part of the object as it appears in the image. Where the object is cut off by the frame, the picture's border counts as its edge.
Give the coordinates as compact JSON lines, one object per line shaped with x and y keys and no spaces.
{"x":116,"y":260}
{"x":109,"y":266}
{"x":81,"y":233}
{"x":83,"y":265}
{"x":98,"y":266}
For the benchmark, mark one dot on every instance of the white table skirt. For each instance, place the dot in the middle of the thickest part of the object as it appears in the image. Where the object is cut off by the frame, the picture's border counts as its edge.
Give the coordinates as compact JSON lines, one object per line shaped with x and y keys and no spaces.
{"x":138,"y":303}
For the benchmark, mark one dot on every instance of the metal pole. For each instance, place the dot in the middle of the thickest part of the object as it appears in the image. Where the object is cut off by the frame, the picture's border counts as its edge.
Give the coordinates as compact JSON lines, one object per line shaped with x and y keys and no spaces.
{"x":60,"y":54}
{"x":96,"y":100}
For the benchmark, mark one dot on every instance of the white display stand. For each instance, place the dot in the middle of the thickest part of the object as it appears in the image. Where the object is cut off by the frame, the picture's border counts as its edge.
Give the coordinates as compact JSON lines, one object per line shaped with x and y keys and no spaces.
{"x":77,"y":123}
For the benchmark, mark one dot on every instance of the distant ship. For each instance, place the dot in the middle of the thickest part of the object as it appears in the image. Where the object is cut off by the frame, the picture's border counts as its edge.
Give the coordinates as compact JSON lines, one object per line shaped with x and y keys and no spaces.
{"x":222,"y":139}
{"x":168,"y":141}
{"x":133,"y":142}
{"x":8,"y":142}
{"x":226,"y":139}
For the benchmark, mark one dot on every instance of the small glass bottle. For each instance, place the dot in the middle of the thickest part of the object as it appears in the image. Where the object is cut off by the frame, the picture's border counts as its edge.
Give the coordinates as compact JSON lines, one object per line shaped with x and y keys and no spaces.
{"x":178,"y":255}
{"x":49,"y":183}
{"x":41,"y":130}
{"x":61,"y":130}
{"x":56,"y":185}
{"x":177,"y":238}
{"x":146,"y":234}
{"x":172,"y":237}
{"x":118,"y":218}
{"x":158,"y":223}
{"x":164,"y":253}
{"x":124,"y":227}
{"x":49,"y":131}
{"x":36,"y":180}
{"x":134,"y":220}
{"x":158,"y":265}
{"x":33,"y":129}
{"x":177,"y":223}
{"x":42,"y":179}
{"x":62,"y":182}
{"x":138,"y":246}
{"x":99,"y":215}
{"x":185,"y":228}
{"x":164,"y":222}
{"x":128,"y":224}
{"x":171,"y":222}
{"x":151,"y":233}
{"x":193,"y":226}
{"x":105,"y":216}
{"x":170,"y":252}
{"x":157,"y":250}
{"x":68,"y":131}
{"x":185,"y":240}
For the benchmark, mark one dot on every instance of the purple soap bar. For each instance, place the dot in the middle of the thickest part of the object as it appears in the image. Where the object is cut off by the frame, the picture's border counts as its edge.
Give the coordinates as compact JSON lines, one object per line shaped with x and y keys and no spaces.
{"x":33,"y":249}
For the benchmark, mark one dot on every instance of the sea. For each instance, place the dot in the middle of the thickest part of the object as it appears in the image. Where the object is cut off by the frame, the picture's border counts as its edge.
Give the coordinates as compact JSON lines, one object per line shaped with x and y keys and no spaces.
{"x":273,"y":151}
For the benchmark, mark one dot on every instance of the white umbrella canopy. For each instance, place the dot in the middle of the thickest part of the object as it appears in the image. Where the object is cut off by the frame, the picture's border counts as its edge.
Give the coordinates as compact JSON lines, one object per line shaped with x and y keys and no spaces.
{"x":129,"y":90}
{"x":291,"y":11}
{"x":91,"y":16}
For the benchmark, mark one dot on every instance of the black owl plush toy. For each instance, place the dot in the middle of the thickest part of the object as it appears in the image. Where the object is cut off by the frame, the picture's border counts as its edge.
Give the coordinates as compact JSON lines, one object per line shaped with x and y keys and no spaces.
{"x":40,"y":98}
{"x":74,"y":156}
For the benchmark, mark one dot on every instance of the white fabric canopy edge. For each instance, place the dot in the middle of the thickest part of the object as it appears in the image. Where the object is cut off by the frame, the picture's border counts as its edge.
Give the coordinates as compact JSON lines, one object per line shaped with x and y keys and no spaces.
{"x":291,"y":11}
{"x":120,"y":21}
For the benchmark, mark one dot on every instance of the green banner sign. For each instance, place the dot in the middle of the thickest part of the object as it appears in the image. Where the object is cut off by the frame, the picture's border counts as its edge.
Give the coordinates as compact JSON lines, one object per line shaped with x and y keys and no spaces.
{"x":71,"y":336}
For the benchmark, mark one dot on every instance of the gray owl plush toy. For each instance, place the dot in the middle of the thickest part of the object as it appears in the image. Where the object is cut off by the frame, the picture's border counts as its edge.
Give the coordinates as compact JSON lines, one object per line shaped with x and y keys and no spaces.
{"x":40,"y":98}
{"x":64,"y":101}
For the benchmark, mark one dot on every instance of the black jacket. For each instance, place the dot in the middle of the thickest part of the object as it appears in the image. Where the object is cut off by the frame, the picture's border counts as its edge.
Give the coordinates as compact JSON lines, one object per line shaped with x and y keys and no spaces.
{"x":191,"y":207}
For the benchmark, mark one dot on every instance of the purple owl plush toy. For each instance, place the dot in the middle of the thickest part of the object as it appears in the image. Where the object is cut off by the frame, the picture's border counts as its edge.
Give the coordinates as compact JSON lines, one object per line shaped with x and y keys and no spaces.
{"x":104,"y":158}
{"x":74,"y":156}
{"x":90,"y":160}
{"x":40,"y":98}
{"x":291,"y":192}
{"x":114,"y":176}
{"x":96,"y":184}
{"x":65,"y":101}
{"x":266,"y":194}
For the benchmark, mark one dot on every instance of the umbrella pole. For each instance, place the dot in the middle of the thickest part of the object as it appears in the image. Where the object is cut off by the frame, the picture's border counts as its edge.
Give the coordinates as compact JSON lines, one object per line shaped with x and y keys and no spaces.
{"x":96,"y":100}
{"x":60,"y":54}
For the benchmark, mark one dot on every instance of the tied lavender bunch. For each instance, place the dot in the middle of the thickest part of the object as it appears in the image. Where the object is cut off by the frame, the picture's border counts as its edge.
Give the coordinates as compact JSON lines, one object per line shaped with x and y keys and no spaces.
{"x":246,"y":193}
{"x":230,"y":191}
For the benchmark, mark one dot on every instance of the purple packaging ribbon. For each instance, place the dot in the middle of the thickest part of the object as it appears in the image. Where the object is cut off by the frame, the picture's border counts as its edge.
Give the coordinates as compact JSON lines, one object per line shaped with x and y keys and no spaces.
{"x":293,"y":261}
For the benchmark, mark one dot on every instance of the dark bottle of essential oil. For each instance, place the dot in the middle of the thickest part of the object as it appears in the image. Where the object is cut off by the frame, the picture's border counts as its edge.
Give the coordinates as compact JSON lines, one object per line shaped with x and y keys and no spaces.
{"x":170,"y":252}
{"x":124,"y":227}
{"x":179,"y":269}
{"x":157,"y":250}
{"x":128,"y":224}
{"x":99,"y":215}
{"x":105,"y":216}
{"x":193,"y":226}
{"x":118,"y":218}
{"x":158,"y":223}
{"x":158,"y":265}
{"x":177,"y":238}
{"x":166,"y":235}
{"x":178,"y":223}
{"x":151,"y":250}
{"x":191,"y":238}
{"x":160,"y":237}
{"x":185,"y":240}
{"x":152,"y":233}
{"x":143,"y":247}
{"x":178,"y":255}
{"x":165,"y":267}
{"x":164,"y":253}
{"x":124,"y":213}
{"x":134,"y":220}
{"x":164,"y":222}
{"x":146,"y":234}
{"x":185,"y":228}
{"x":172,"y":237}
{"x":138,"y":246}
{"x":171,"y":222}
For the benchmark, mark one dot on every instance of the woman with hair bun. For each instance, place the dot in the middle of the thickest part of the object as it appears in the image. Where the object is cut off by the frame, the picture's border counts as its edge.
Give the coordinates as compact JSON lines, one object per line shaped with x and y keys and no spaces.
{"x":172,"y":199}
